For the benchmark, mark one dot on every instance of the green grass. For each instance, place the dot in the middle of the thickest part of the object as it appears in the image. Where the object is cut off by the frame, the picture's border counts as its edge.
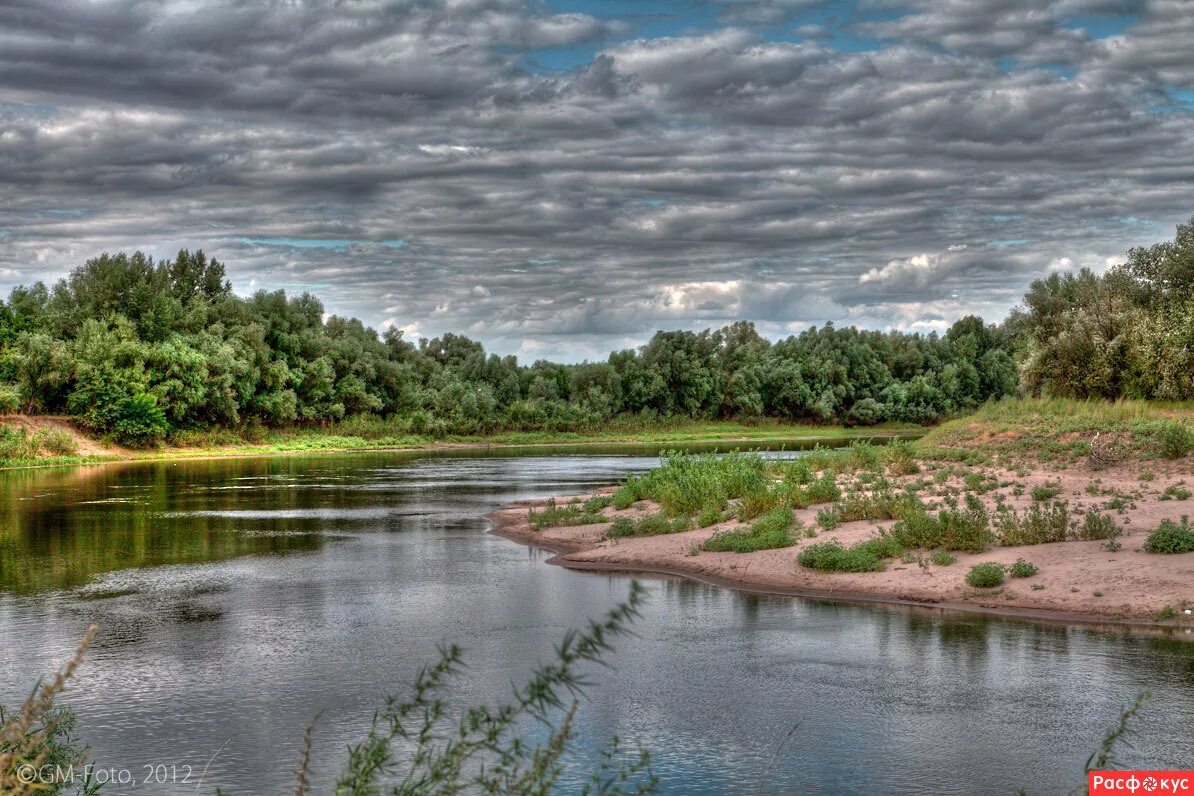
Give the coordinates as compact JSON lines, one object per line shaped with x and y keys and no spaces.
{"x":651,"y":525}
{"x":1040,"y":523}
{"x":769,"y":532}
{"x":831,"y":556}
{"x":574,"y":513}
{"x":1046,"y":491}
{"x":954,"y":528}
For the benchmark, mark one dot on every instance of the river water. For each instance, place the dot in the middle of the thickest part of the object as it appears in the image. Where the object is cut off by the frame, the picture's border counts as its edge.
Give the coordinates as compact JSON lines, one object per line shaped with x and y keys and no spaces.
{"x":238,"y":598}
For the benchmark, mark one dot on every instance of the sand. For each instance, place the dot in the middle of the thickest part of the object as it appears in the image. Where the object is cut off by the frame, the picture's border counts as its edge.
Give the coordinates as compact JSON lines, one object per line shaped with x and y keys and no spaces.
{"x":1078,"y":581}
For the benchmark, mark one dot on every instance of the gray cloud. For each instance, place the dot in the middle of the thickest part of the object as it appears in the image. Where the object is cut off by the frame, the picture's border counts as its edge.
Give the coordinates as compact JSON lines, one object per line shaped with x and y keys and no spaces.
{"x":398,"y":159}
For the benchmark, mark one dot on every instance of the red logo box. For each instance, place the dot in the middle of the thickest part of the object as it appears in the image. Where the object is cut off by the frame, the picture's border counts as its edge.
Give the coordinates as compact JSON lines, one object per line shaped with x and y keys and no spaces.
{"x":1134,"y":783}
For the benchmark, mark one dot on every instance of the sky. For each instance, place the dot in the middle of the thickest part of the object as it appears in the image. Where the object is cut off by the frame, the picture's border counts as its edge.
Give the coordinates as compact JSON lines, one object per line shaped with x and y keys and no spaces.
{"x":561,"y":178}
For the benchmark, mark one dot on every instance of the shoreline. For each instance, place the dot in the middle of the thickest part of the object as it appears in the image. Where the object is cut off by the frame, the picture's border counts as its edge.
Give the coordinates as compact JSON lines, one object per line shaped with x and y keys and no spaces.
{"x":509,"y":522}
{"x":833,"y":436}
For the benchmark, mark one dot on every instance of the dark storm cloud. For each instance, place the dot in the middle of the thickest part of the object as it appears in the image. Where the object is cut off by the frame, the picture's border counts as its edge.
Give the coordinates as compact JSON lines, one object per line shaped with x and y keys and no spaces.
{"x":399,"y":159}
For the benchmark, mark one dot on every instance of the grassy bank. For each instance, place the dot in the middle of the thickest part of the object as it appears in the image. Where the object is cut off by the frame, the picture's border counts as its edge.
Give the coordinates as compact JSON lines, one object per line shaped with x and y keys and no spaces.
{"x":361,"y":434}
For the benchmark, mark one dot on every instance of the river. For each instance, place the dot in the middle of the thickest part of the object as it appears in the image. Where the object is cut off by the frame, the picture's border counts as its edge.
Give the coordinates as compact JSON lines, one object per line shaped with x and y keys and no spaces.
{"x":238,"y":598}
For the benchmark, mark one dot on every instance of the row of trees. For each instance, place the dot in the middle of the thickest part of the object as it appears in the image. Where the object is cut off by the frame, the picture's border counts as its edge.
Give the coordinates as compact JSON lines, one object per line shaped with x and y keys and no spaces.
{"x":1126,"y":333}
{"x":137,"y":348}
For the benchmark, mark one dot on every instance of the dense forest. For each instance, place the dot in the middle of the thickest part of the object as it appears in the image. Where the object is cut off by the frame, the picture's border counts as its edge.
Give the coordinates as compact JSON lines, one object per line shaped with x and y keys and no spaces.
{"x":138,"y":349}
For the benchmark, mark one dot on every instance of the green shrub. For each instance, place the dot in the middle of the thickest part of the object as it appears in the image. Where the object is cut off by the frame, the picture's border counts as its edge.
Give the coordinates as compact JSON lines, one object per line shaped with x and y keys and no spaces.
{"x":1170,"y":538}
{"x":966,"y":529}
{"x":796,"y":472}
{"x":832,"y":557}
{"x":1022,"y":569}
{"x":627,"y":494}
{"x":901,"y":457}
{"x":686,"y":484}
{"x":14,"y":445}
{"x":651,"y":525}
{"x":710,"y":515}
{"x":1176,"y":439}
{"x":1097,"y":526}
{"x":141,"y":421}
{"x":769,"y":532}
{"x":55,"y":441}
{"x":1175,"y":492}
{"x":1046,"y":491}
{"x":575,"y":513}
{"x":824,"y":489}
{"x":985,"y":576}
{"x":1039,"y":524}
{"x":828,"y":519}
{"x":943,"y":558}
{"x":10,"y":399}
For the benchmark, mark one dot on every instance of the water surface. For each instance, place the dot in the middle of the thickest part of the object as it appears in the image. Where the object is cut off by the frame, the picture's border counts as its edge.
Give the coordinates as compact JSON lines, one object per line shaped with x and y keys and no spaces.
{"x":238,"y":598}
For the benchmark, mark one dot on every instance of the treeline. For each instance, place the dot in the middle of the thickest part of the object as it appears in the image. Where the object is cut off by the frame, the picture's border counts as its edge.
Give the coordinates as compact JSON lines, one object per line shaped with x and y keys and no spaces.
{"x":138,"y":348}
{"x":1128,"y":333}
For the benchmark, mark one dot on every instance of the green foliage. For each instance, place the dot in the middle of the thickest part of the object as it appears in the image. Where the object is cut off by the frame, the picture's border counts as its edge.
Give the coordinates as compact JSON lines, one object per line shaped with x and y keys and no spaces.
{"x":1046,"y":491}
{"x":769,"y":532}
{"x":831,"y":556}
{"x":1176,"y":439}
{"x":1022,"y":569}
{"x":1098,"y":526}
{"x":960,"y":529}
{"x":1170,"y":538}
{"x":684,"y":485}
{"x":54,"y":441}
{"x":943,"y":558}
{"x":1041,"y":523}
{"x":710,"y":515}
{"x":985,"y":576}
{"x":1175,"y":492}
{"x":575,"y":513}
{"x":10,"y":399}
{"x":651,"y":525}
{"x":824,"y":489}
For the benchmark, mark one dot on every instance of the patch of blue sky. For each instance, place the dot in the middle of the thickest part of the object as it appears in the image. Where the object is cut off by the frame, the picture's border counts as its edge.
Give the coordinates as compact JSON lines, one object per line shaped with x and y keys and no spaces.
{"x":397,"y":243}
{"x":649,"y":19}
{"x":69,"y":212}
{"x":333,"y":244}
{"x":1101,"y":26}
{"x":1002,"y":219}
{"x":1068,"y":71}
{"x":1133,"y":221}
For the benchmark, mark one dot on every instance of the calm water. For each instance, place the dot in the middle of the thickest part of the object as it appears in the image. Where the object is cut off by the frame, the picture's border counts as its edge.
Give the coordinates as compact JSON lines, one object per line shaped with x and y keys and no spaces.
{"x":239,"y":598}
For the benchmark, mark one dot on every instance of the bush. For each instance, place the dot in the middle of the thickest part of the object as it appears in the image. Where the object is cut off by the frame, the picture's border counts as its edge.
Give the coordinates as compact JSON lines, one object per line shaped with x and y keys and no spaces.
{"x":769,"y":532}
{"x":141,"y":421}
{"x":824,"y":489}
{"x":1022,"y":569}
{"x":965,"y":529}
{"x":1040,"y":524}
{"x":575,"y":513}
{"x":687,"y":484}
{"x":867,"y":412}
{"x":10,"y":399}
{"x":1046,"y":491}
{"x":1176,"y":439}
{"x":832,"y":557}
{"x":985,"y":576}
{"x":651,"y":525}
{"x":1097,"y":526}
{"x":901,"y":457}
{"x":710,"y":515}
{"x":943,"y":558}
{"x":14,"y":445}
{"x":55,"y":441}
{"x":1170,"y":538}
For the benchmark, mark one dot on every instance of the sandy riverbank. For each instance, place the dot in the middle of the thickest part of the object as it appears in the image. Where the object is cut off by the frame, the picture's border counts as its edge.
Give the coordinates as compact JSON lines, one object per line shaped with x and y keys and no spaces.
{"x":1078,"y":581}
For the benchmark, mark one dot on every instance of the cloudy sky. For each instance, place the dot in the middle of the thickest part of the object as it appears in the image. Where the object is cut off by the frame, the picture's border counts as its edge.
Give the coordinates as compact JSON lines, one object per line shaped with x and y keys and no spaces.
{"x":562,"y":177}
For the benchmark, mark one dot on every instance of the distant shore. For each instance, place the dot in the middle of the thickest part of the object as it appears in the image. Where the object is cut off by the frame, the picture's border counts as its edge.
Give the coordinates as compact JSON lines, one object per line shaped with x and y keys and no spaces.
{"x":297,"y":441}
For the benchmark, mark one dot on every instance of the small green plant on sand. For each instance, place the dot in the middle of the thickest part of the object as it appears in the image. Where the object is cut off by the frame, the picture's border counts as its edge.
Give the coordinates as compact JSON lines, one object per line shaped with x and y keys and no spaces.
{"x":1171,"y":538}
{"x":985,"y":576}
{"x":1047,"y":490}
{"x":1022,"y":569}
{"x":769,"y":532}
{"x":943,"y":558}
